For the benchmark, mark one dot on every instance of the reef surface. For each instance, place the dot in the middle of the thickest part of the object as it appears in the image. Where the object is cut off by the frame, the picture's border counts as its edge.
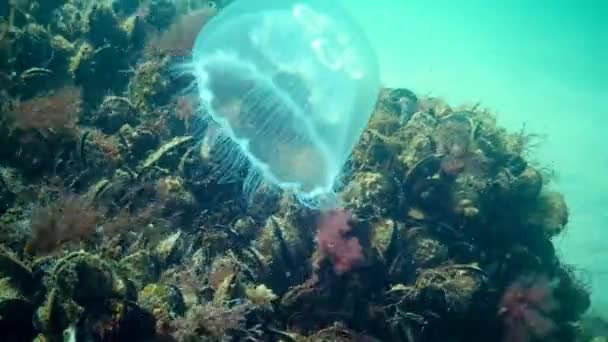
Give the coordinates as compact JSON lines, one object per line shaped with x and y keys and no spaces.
{"x":113,"y":226}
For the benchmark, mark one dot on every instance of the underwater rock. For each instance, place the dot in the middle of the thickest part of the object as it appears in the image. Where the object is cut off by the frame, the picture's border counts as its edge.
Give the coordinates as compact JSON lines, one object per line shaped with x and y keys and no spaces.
{"x":113,"y":113}
{"x":32,"y":47}
{"x":260,"y":295}
{"x":246,"y":227}
{"x":17,"y":287}
{"x":69,"y":21}
{"x":162,"y":300}
{"x":104,"y":28}
{"x":168,"y":250}
{"x":175,"y":197}
{"x":338,"y":332}
{"x":229,"y":289}
{"x":78,"y":286}
{"x":449,"y":209}
{"x":7,"y":197}
{"x":43,"y":10}
{"x":434,"y":106}
{"x":425,"y":168}
{"x":48,"y":74}
{"x":167,"y":153}
{"x":454,"y":133}
{"x":128,"y":322}
{"x":528,"y":184}
{"x":110,"y":190}
{"x":42,"y":59}
{"x":380,"y":143}
{"x":425,"y":251}
{"x":418,"y":133}
{"x":101,"y":152}
{"x":466,"y":196}
{"x":149,"y":85}
{"x":178,"y":40}
{"x":383,"y":236}
{"x":142,"y":267}
{"x":421,"y":182}
{"x":63,"y":50}
{"x":214,"y":322}
{"x":14,"y":228}
{"x":320,"y":302}
{"x":367,"y":194}
{"x":138,"y":140}
{"x":279,"y":250}
{"x":161,"y":13}
{"x":549,"y":213}
{"x":222,"y":267}
{"x":572,"y":290}
{"x":125,"y":7}
{"x":135,"y":30}
{"x":95,"y":69}
{"x":402,"y":103}
{"x":444,"y":292}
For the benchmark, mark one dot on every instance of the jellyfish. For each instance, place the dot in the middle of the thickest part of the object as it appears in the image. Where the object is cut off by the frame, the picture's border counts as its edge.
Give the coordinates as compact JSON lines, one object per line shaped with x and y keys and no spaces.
{"x":289,"y":87}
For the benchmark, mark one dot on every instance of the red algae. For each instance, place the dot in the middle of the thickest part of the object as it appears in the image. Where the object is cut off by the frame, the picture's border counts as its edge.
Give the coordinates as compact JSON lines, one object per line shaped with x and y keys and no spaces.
{"x":524,"y":308}
{"x":333,"y":241}
{"x":53,"y":113}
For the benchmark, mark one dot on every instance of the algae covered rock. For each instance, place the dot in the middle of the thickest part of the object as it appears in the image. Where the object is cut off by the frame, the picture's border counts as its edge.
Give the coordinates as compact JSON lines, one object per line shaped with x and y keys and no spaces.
{"x":113,"y":113}
{"x":260,"y":295}
{"x":142,"y":267}
{"x":162,"y":13}
{"x":370,"y":194}
{"x":425,"y":250}
{"x":168,"y":250}
{"x":529,"y":184}
{"x":400,"y":102}
{"x":95,"y":69}
{"x":104,"y":27}
{"x":139,"y":140}
{"x":449,"y":209}
{"x":162,"y":300}
{"x":175,"y":196}
{"x":149,"y":84}
{"x":6,"y":195}
{"x":383,"y":236}
{"x":418,"y":132}
{"x":33,"y":47}
{"x":17,"y":286}
{"x":79,"y":285}
{"x":278,"y":252}
{"x":549,"y":213}
{"x":448,"y":291}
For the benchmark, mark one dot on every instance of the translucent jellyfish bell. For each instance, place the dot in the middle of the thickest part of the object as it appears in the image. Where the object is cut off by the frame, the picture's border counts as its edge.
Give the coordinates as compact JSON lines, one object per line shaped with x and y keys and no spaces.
{"x":290,"y":85}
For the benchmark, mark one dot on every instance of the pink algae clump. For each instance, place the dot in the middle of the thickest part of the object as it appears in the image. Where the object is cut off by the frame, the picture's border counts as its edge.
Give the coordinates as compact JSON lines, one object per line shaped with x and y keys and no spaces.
{"x":335,"y":243}
{"x":524,"y":308}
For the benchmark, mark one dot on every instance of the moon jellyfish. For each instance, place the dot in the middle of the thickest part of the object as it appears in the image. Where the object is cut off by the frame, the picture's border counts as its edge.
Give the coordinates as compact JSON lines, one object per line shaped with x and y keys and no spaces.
{"x":289,"y":87}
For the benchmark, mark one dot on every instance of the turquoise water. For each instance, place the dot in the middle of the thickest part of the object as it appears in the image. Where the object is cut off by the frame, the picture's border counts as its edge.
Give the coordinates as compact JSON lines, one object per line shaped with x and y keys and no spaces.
{"x":539,"y":63}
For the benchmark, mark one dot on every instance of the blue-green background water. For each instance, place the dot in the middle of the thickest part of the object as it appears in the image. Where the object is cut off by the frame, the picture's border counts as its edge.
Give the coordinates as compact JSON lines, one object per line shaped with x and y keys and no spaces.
{"x":539,"y":62}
